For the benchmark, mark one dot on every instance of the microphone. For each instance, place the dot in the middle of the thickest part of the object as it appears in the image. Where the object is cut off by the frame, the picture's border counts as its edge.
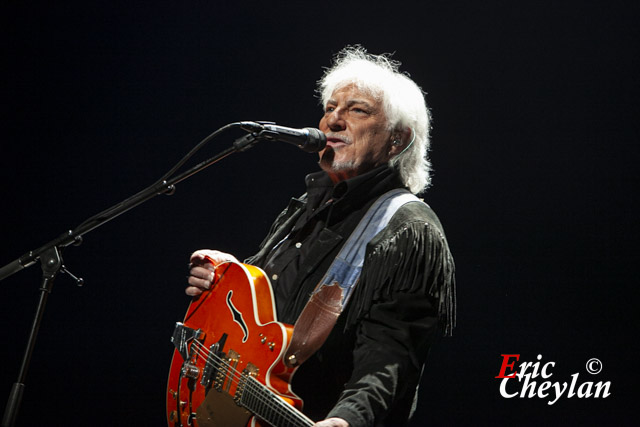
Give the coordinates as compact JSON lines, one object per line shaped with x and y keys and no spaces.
{"x":310,"y":140}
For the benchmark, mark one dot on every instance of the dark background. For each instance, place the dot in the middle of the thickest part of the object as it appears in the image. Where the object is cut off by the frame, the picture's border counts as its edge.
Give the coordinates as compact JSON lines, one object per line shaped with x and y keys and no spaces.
{"x":535,"y":148}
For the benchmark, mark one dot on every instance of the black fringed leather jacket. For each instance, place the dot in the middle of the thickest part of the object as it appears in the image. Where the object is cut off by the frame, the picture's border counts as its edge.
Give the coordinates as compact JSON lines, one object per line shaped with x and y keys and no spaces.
{"x":368,"y":370}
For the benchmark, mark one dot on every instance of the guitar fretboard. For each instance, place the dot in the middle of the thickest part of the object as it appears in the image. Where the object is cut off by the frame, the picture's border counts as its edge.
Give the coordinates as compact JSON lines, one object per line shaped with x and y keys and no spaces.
{"x":267,"y":405}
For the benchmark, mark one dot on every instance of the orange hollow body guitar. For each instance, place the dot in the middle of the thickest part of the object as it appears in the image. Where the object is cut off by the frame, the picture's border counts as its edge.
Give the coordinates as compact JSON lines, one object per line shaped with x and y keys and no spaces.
{"x":227,"y":368}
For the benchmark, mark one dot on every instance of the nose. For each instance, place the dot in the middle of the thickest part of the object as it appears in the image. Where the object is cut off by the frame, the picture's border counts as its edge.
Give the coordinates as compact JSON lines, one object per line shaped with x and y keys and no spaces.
{"x":335,"y":121}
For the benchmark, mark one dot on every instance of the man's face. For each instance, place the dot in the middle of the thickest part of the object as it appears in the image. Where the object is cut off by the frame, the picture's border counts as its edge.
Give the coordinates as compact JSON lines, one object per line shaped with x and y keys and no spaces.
{"x":357,"y":135}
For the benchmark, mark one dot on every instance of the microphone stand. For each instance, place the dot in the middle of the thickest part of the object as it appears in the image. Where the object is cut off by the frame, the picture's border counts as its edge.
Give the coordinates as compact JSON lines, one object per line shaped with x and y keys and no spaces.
{"x":51,"y":261}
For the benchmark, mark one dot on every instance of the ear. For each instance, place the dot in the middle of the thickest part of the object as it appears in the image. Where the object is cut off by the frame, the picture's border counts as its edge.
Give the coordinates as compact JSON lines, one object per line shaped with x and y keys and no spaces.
{"x":399,"y":141}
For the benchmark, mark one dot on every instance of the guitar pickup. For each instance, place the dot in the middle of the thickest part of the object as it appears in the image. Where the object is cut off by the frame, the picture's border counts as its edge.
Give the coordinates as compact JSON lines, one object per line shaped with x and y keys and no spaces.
{"x":250,"y":371}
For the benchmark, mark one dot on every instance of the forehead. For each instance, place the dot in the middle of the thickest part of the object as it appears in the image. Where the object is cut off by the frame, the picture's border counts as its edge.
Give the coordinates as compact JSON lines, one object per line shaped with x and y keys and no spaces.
{"x":352,"y":93}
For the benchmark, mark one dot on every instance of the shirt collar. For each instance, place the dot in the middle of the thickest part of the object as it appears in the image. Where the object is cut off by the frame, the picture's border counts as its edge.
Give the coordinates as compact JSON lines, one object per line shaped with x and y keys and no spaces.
{"x":357,"y":190}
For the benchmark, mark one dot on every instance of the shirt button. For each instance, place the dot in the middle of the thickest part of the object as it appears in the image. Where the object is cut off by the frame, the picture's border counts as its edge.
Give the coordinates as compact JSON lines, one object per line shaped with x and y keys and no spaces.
{"x":298,"y":245}
{"x":274,"y":277}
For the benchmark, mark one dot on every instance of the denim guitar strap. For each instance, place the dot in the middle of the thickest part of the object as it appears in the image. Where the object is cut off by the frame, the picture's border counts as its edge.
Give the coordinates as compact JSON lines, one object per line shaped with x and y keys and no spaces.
{"x":330,"y":297}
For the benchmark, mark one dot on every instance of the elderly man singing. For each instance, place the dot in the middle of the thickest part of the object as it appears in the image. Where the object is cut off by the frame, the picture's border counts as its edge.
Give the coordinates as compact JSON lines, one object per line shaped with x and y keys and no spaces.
{"x":359,"y":264}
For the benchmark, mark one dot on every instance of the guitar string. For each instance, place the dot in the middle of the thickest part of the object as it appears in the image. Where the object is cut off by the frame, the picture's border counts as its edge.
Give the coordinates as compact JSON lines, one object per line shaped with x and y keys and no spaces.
{"x":290,"y":410}
{"x":262,"y":392}
{"x":264,"y":395}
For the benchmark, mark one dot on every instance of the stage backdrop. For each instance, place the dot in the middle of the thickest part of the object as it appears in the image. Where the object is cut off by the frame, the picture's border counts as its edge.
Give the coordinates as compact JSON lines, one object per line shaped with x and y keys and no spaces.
{"x":535,"y":150}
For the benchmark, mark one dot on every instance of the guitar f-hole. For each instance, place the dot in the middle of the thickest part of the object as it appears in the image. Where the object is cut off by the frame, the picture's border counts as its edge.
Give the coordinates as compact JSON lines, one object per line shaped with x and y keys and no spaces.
{"x":244,"y":367}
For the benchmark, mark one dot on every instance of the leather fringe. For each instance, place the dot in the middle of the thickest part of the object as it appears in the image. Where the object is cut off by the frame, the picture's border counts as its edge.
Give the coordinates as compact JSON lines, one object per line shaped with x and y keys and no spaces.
{"x":415,"y":260}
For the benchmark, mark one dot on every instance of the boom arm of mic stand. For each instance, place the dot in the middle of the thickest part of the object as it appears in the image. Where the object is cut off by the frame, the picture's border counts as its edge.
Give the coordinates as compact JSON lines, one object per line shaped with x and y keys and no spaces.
{"x":161,"y":187}
{"x":51,"y":261}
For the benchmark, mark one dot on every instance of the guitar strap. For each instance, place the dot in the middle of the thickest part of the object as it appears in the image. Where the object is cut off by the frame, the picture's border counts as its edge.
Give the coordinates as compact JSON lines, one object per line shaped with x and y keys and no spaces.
{"x":330,"y":297}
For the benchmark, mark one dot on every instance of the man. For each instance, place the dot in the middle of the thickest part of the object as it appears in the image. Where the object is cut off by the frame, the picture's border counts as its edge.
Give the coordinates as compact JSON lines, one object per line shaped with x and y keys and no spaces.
{"x":367,"y":371}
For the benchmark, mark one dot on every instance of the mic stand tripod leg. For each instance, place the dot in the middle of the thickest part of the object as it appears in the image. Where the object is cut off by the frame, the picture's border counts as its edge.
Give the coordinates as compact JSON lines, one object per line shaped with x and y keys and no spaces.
{"x":51,"y":262}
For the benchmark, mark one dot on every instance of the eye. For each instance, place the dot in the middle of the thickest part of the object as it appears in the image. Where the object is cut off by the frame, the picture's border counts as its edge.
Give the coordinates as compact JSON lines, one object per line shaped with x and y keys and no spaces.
{"x":329,"y":108}
{"x":359,"y":110}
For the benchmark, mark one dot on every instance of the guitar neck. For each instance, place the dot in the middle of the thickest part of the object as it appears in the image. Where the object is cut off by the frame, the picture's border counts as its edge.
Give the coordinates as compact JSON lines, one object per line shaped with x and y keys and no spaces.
{"x":267,"y":405}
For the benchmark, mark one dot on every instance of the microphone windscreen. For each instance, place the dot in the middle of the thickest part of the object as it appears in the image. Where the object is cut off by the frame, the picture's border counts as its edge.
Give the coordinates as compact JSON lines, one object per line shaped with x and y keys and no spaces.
{"x":316,"y":142}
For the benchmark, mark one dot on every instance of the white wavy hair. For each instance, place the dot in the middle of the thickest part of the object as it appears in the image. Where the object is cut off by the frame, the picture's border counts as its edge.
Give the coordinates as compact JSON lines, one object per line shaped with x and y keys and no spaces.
{"x":403,"y":101}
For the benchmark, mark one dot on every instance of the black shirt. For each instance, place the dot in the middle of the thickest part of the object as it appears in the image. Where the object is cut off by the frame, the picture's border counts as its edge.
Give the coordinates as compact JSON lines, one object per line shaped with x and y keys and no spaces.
{"x":337,"y":208}
{"x":368,"y":369}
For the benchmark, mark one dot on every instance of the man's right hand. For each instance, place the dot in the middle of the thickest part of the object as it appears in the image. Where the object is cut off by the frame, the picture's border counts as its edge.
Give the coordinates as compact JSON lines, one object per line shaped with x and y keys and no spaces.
{"x":203,"y":269}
